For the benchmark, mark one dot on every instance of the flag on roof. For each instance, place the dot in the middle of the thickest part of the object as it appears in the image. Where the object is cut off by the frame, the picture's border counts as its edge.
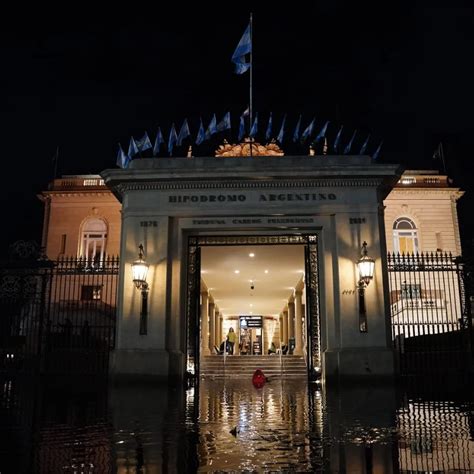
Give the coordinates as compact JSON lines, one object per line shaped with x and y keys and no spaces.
{"x":132,"y":148}
{"x":253,"y":130}
{"x":364,"y":145}
{"x":268,"y":132}
{"x":296,"y":133}
{"x":224,"y":124}
{"x":243,"y":48}
{"x":377,"y":151}
{"x":281,"y":133}
{"x":201,"y":134}
{"x":322,"y":132}
{"x":349,"y":145}
{"x":308,"y":130}
{"x":338,"y":139}
{"x":122,"y":158}
{"x":173,"y":138}
{"x":183,"y":132}
{"x":211,"y":128}
{"x":144,"y":143}
{"x":159,"y":140}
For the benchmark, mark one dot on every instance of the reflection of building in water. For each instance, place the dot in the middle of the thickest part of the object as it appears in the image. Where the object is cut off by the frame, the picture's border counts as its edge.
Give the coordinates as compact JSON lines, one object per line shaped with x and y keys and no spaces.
{"x":245,"y":429}
{"x":435,"y":436}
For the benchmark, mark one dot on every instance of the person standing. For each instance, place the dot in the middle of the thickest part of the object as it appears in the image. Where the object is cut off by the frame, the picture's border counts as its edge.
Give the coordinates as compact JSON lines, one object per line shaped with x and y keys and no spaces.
{"x":231,"y":340}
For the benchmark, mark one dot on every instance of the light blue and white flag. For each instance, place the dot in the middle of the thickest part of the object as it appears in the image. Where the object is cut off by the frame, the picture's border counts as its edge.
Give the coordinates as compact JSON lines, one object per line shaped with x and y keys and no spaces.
{"x":173,"y":138}
{"x":338,"y":139}
{"x":122,"y":158}
{"x":243,"y":48}
{"x":159,"y":140}
{"x":201,"y":134}
{"x":211,"y":128}
{"x":132,"y":148}
{"x":296,"y":133}
{"x":349,"y":145}
{"x":253,"y":130}
{"x":224,"y":124}
{"x":144,"y":143}
{"x":377,"y":152}
{"x":281,"y":133}
{"x":322,"y":132}
{"x":364,"y":145}
{"x":183,"y":132}
{"x":308,"y":130}
{"x":268,"y":133}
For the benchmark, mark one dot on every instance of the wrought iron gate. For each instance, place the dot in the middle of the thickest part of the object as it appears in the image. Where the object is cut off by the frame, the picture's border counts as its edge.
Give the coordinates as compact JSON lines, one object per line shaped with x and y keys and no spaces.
{"x":57,"y":317}
{"x":430,"y":314}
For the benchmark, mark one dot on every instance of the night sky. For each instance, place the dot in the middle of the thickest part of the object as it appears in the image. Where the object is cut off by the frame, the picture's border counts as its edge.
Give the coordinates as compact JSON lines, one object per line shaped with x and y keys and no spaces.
{"x":85,"y":81}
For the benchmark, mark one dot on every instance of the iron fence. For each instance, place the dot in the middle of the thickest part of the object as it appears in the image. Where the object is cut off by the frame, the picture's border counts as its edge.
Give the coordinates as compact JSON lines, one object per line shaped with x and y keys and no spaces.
{"x":430,"y":313}
{"x":57,"y":316}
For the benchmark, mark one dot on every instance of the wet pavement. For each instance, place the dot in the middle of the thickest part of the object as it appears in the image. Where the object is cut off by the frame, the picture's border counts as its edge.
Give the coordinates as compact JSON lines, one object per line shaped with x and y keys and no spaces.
{"x":88,"y":426}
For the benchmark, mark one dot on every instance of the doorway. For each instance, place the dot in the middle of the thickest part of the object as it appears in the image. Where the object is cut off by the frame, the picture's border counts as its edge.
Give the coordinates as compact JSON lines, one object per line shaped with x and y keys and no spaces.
{"x":243,"y":282}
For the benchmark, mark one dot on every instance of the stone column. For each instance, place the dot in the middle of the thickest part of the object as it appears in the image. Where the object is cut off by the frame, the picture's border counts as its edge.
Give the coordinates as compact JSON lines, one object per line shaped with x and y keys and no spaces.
{"x":285,"y":326}
{"x":299,"y":322}
{"x":217,"y":337}
{"x":291,"y":317}
{"x":204,"y":323}
{"x":212,"y":325}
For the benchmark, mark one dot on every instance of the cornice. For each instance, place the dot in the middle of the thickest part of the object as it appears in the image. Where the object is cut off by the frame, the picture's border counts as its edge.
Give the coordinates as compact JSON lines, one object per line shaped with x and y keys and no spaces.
{"x":397,"y":193}
{"x":249,"y":184}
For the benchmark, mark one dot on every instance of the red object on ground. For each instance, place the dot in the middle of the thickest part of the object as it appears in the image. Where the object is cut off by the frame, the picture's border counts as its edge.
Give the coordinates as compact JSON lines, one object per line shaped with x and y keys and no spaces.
{"x":258,"y":379}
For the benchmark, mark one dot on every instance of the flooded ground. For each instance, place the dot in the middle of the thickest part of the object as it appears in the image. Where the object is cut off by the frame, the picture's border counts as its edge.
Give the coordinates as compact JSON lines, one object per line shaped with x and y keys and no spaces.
{"x":87,"y":426}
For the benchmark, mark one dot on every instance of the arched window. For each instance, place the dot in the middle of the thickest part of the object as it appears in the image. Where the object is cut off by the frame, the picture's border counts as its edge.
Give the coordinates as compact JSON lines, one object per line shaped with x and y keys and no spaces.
{"x":93,"y":240}
{"x":405,"y":236}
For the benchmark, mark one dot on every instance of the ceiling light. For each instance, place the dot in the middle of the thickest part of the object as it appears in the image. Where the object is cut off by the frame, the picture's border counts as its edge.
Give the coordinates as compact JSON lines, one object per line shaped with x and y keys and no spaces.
{"x":251,"y":255}
{"x":236,"y":271}
{"x":251,"y":304}
{"x":266,"y":271}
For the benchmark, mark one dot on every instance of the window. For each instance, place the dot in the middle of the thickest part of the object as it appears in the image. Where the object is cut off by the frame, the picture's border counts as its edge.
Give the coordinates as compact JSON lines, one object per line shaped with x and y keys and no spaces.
{"x":405,"y":236}
{"x":91,"y":293}
{"x":411,"y":291}
{"x":94,"y":237}
{"x":63,"y":244}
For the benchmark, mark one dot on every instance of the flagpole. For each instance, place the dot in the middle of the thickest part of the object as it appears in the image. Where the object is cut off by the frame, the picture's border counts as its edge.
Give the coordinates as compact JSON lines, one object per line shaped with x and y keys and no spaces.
{"x":442,"y":156}
{"x":56,"y":159}
{"x":251,"y":69}
{"x":251,"y":77}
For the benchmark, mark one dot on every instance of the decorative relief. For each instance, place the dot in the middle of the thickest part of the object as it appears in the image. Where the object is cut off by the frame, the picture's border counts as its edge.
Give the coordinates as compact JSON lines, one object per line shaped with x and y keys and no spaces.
{"x":248,"y":148}
{"x":252,"y":240}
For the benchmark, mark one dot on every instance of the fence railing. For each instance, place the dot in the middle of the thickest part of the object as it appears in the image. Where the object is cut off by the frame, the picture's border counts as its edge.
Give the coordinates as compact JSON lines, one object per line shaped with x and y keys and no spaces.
{"x":430,"y":317}
{"x":58,"y":316}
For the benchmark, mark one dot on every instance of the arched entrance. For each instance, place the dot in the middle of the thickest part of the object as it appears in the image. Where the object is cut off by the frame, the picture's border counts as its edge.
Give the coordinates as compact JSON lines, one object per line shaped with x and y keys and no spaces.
{"x":311,"y":280}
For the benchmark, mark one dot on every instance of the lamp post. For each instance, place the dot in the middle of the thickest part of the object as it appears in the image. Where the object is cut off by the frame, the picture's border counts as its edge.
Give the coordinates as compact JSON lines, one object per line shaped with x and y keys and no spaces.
{"x":139,"y":272}
{"x":365,"y":267}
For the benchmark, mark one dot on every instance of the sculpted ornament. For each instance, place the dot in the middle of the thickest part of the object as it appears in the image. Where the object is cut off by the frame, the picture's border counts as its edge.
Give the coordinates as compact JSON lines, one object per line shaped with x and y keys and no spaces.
{"x":248,"y":148}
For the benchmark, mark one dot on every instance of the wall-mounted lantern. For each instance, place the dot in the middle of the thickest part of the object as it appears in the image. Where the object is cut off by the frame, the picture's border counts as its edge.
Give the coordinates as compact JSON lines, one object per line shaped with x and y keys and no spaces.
{"x":139,"y":272}
{"x":365,"y":268}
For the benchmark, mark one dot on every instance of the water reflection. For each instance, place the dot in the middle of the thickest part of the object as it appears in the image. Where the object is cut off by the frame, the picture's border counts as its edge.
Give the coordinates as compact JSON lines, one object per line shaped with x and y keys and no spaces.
{"x":230,"y":426}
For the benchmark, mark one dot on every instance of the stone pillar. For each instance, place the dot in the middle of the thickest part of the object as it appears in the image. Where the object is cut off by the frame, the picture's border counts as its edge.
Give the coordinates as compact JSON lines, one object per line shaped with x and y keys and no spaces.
{"x":298,"y":322}
{"x":285,"y":326}
{"x":204,"y":323}
{"x":212,"y":325}
{"x":217,"y":336}
{"x":221,"y":324}
{"x":291,"y":317}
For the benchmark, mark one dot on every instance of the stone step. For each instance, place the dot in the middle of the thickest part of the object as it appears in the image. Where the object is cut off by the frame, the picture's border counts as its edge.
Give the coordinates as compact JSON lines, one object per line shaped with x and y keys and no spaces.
{"x":288,"y":366}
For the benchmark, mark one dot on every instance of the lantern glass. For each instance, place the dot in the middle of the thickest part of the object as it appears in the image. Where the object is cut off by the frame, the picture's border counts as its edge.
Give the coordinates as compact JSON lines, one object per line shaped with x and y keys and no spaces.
{"x":365,"y":266}
{"x":139,"y":272}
